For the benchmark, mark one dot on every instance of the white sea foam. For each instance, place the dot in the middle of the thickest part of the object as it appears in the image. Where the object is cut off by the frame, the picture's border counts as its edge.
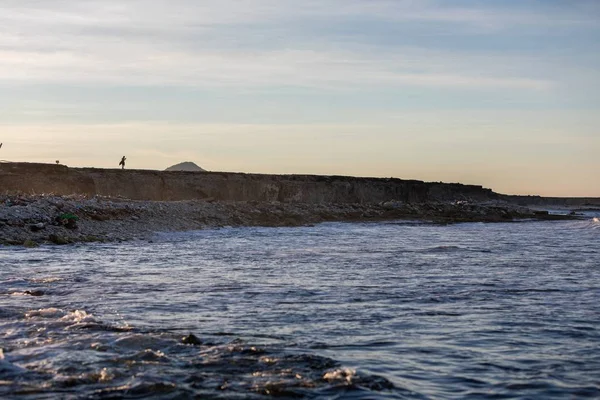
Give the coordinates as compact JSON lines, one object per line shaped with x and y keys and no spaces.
{"x":51,"y":312}
{"x":341,"y":374}
{"x":76,"y":316}
{"x":105,"y":375}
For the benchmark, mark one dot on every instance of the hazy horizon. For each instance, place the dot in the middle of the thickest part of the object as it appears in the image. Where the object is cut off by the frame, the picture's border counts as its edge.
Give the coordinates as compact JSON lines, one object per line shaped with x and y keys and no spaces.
{"x":504,"y":95}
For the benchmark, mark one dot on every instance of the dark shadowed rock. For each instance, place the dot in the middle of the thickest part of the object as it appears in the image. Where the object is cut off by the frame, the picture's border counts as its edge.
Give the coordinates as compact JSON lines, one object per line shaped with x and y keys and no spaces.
{"x":30,"y":244}
{"x":191,"y":339}
{"x":60,"y":240}
{"x":35,"y":293}
{"x":37,"y":227}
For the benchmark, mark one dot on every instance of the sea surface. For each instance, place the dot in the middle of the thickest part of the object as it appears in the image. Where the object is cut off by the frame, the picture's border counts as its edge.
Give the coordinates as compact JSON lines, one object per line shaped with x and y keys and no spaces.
{"x":396,"y":310}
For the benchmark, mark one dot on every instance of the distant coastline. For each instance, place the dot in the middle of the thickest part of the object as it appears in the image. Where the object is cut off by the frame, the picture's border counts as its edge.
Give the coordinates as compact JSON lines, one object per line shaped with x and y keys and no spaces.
{"x":44,"y":203}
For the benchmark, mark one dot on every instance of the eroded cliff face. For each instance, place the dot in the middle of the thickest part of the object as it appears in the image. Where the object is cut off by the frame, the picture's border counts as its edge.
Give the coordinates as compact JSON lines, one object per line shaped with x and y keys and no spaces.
{"x":33,"y":178}
{"x":226,"y":186}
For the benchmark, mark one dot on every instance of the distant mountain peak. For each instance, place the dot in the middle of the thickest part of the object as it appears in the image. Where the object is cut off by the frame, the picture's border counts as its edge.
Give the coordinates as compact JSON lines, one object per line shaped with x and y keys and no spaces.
{"x":185,"y":166}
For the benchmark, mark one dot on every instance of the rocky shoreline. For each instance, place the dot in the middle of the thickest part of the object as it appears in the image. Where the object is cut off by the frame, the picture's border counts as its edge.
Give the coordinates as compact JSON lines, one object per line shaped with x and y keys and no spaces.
{"x":31,"y":220}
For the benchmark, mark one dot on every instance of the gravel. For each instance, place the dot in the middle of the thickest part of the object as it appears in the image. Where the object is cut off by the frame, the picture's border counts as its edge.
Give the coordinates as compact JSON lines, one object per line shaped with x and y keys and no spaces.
{"x":31,"y":220}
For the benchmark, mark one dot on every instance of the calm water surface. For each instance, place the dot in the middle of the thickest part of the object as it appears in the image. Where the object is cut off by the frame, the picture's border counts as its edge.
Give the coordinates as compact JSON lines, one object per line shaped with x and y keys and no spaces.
{"x":380,"y":310}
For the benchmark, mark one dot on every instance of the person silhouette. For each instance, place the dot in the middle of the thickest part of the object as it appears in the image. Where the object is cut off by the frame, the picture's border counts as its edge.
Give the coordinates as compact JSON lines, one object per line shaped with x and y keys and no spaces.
{"x":122,"y":163}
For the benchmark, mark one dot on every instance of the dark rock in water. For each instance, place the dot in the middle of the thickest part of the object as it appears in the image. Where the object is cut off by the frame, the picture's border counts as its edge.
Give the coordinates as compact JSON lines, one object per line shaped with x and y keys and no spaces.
{"x":377,"y":383}
{"x":103,"y":327}
{"x":185,"y":166}
{"x":191,"y":339}
{"x":34,"y":292}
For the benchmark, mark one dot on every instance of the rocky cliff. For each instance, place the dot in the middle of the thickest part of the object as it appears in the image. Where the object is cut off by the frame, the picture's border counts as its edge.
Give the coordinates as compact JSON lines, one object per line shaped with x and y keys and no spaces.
{"x":166,"y":186}
{"x":33,"y":178}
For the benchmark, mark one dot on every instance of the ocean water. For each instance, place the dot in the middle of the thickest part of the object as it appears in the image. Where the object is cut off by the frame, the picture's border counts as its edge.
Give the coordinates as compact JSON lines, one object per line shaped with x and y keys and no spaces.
{"x":396,"y":310}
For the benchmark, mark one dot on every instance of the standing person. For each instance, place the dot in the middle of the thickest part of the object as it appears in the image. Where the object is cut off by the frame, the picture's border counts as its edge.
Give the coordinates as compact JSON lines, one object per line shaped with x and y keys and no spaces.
{"x":122,"y":163}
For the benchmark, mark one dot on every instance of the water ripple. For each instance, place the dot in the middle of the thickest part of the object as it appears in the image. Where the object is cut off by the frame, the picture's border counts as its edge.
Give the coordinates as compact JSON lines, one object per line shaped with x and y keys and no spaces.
{"x":366,"y":310}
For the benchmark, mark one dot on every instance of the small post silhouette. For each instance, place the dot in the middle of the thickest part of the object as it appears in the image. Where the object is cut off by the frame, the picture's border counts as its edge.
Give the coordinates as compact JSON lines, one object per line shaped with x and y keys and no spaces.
{"x":122,"y":163}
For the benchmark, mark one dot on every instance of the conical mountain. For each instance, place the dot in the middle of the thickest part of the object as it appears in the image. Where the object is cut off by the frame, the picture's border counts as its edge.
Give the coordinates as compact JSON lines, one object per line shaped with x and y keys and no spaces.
{"x":185,"y":166}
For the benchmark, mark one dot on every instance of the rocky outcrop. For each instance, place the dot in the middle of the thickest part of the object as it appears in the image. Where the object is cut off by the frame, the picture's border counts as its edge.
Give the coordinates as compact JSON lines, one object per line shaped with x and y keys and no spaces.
{"x":226,"y":186}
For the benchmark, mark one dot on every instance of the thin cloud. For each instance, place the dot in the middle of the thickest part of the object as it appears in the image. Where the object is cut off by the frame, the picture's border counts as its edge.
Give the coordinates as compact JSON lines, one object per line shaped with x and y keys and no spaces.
{"x":144,"y":66}
{"x":150,"y":43}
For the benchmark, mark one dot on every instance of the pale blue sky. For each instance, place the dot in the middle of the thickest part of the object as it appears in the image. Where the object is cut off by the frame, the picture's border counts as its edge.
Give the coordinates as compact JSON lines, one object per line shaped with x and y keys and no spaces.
{"x":500,"y":93}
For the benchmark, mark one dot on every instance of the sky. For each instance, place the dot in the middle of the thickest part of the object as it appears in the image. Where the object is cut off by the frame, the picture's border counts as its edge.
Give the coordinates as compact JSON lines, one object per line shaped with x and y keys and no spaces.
{"x":504,"y":94}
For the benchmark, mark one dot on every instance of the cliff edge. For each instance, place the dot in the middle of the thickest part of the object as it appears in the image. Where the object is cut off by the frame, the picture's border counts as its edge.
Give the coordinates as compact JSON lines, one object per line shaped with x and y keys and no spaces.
{"x":32,"y":178}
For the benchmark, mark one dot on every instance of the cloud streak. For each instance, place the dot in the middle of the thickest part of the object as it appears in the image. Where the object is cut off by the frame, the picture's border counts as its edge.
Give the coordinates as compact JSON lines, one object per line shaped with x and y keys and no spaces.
{"x":193,"y":43}
{"x":245,"y":69}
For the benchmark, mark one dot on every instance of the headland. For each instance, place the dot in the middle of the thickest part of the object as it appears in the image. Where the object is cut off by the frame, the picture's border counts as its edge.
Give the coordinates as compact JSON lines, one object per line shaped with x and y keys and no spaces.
{"x":47,"y":203}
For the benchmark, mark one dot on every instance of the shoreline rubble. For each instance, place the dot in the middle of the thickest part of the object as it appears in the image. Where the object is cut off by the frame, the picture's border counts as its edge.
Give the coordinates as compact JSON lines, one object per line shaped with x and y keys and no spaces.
{"x":31,"y":220}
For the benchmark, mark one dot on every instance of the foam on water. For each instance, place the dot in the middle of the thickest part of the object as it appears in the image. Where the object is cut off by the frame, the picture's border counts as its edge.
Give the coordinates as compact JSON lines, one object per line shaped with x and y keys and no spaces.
{"x":52,"y":350}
